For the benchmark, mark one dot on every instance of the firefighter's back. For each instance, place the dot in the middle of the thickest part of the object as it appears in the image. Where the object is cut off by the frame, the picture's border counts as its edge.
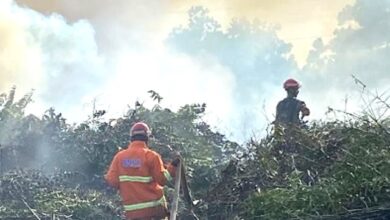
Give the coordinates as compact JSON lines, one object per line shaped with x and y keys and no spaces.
{"x":287,"y":111}
{"x":141,"y":195}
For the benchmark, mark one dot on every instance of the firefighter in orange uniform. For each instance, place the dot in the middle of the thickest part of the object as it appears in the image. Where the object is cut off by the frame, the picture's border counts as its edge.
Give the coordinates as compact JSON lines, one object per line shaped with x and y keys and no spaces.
{"x":139,"y":174}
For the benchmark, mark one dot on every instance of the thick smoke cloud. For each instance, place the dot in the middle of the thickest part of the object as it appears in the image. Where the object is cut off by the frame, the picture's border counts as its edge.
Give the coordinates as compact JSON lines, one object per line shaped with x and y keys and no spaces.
{"x":117,"y":23}
{"x":360,"y":47}
{"x":136,"y":21}
{"x":257,"y":58}
{"x":18,"y":60}
{"x":58,"y":59}
{"x":119,"y":53}
{"x":178,"y":78}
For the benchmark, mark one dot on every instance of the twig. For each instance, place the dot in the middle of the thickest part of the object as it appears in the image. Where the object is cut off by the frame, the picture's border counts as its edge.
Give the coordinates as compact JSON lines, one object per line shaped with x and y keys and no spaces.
{"x":31,"y":210}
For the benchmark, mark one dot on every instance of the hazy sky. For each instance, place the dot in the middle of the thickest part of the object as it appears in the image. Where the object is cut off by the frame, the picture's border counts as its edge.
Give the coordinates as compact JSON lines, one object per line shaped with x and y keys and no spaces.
{"x":234,"y":55}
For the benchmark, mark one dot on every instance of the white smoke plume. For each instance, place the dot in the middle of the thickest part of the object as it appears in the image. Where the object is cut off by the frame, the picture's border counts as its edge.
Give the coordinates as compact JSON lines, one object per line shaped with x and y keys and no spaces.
{"x":360,"y":47}
{"x":71,"y":73}
{"x":114,"y":53}
{"x":58,"y":59}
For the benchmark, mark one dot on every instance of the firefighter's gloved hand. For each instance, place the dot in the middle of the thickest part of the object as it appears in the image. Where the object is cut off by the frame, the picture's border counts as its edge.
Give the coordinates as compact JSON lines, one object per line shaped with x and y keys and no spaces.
{"x":175,"y":162}
{"x":176,"y":157}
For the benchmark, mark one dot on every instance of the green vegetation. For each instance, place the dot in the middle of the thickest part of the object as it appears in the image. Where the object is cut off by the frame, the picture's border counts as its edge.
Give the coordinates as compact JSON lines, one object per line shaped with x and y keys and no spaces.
{"x":31,"y":194}
{"x":340,"y":169}
{"x":335,"y":168}
{"x":53,"y":147}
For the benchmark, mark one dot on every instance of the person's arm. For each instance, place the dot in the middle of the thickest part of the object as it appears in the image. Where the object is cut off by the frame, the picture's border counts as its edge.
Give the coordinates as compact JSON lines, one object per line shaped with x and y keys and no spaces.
{"x":161,"y":174}
{"x":112,"y":176}
{"x":304,"y":109}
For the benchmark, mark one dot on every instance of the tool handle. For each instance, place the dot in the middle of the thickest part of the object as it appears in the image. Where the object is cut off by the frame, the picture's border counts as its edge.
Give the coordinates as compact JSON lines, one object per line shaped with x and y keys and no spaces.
{"x":175,"y":202}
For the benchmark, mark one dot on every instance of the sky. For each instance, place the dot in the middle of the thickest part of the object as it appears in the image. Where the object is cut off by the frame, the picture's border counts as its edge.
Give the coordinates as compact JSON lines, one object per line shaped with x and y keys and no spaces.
{"x":233,"y":55}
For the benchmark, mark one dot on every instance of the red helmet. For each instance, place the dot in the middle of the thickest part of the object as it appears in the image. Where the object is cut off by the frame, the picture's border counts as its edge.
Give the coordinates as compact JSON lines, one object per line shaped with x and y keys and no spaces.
{"x":291,"y":84}
{"x":140,"y":128}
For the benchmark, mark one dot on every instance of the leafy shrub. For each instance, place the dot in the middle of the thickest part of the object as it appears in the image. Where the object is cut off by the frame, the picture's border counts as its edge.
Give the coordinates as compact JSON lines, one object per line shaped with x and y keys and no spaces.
{"x":343,"y":167}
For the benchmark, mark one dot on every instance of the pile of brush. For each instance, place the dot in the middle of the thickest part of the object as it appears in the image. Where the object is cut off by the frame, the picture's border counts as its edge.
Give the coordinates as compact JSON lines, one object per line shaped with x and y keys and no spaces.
{"x":33,"y":195}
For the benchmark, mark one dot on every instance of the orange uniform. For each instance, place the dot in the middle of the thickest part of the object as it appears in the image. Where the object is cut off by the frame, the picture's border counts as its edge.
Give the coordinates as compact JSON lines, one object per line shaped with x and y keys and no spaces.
{"x":139,"y":174}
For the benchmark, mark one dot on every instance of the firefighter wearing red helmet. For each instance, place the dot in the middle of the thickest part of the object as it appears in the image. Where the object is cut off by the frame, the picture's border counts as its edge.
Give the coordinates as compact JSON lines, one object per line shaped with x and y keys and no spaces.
{"x":139,"y":174}
{"x":291,"y":110}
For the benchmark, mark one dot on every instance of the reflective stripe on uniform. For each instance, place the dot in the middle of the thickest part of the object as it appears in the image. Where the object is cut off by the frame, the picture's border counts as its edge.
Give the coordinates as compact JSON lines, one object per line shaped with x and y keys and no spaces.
{"x":167,"y":175}
{"x":142,"y":179}
{"x":145,"y":205}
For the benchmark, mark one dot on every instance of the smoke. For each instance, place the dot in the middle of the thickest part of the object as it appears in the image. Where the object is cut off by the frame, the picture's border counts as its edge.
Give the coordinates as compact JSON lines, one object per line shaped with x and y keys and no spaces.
{"x":114,"y":53}
{"x":118,"y":23}
{"x":18,"y":60}
{"x":360,"y":47}
{"x":253,"y":53}
{"x":134,"y":21}
{"x":59,"y":60}
{"x":178,"y":78}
